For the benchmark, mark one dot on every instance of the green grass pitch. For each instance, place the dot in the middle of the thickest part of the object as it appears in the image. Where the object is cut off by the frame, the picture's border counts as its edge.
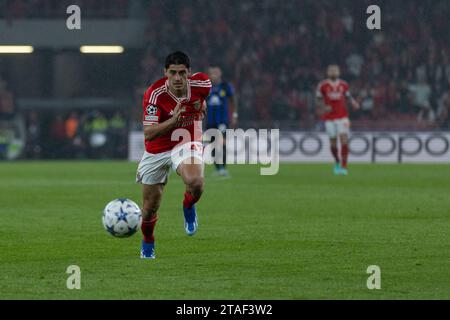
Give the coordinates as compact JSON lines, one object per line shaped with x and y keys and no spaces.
{"x":302,"y":234}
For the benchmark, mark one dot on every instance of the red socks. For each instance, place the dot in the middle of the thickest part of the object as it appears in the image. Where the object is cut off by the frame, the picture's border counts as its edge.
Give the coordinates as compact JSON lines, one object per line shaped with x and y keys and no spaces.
{"x":189,"y":200}
{"x":335,"y":152}
{"x":147,"y":227}
{"x":344,"y":153}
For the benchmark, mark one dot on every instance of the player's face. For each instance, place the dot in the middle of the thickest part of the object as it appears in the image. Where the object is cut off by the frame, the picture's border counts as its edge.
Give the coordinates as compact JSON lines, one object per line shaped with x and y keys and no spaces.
{"x":333,"y":72}
{"x":178,"y":76}
{"x":215,"y":74}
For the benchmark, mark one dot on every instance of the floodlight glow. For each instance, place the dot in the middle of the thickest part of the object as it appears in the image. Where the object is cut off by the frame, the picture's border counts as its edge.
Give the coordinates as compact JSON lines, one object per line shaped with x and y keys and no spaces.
{"x":16,"y":49}
{"x":101,"y":49}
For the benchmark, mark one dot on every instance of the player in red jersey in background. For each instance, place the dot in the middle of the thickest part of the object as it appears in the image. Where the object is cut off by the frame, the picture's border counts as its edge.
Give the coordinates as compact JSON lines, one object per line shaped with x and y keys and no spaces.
{"x":331,"y":95}
{"x":174,"y":102}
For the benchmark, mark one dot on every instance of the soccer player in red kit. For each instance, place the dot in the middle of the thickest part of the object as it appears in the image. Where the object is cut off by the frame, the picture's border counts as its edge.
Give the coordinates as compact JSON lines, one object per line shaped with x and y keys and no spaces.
{"x":331,"y":95}
{"x":172,"y":106}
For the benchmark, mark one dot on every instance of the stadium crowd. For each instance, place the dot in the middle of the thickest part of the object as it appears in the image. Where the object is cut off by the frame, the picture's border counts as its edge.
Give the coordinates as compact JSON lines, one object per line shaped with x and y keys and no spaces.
{"x":53,"y":9}
{"x":76,"y":135}
{"x":56,"y":134}
{"x":276,"y":52}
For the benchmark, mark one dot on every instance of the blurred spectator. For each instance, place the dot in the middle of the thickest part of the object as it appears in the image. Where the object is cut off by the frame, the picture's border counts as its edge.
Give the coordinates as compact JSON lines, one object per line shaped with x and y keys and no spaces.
{"x":98,"y":138}
{"x":7,"y":111}
{"x":347,"y":21}
{"x":33,"y":147}
{"x":57,"y":135}
{"x":366,"y":100}
{"x":71,"y":128}
{"x":354,"y":64}
{"x":403,"y":98}
{"x":72,"y":125}
{"x":4,"y":141}
{"x":443,"y":112}
{"x":118,"y":136}
{"x":421,"y":94}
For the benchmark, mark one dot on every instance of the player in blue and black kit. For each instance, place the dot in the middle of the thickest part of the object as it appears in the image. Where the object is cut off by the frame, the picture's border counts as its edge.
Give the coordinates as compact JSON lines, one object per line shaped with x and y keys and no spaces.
{"x":222,"y":112}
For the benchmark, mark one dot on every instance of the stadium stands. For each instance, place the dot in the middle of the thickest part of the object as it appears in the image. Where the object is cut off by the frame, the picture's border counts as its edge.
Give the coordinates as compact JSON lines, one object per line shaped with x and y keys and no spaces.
{"x":275,"y":53}
{"x":55,"y":9}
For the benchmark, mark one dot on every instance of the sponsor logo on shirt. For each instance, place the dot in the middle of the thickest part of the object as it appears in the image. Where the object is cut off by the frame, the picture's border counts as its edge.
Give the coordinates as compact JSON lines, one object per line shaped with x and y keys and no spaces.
{"x":151,"y":118}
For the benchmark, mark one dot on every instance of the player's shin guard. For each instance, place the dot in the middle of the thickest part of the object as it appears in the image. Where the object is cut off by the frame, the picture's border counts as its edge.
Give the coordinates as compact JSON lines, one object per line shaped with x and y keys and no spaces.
{"x":148,"y":228}
{"x":189,"y":200}
{"x":335,"y":153}
{"x":344,"y":153}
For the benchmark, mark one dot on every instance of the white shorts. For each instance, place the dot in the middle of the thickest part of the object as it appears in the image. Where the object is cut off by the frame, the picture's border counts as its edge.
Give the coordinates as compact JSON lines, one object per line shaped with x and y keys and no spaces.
{"x":337,"y":127}
{"x":155,"y":168}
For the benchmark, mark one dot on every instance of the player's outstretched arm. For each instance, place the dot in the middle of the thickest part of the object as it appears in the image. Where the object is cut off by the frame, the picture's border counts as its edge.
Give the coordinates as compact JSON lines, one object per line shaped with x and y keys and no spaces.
{"x":353,"y":102}
{"x":154,"y":131}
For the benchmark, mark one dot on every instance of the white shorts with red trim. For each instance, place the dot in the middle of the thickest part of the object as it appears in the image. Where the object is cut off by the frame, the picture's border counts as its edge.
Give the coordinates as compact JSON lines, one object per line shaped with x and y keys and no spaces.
{"x":337,"y":127}
{"x":155,"y":168}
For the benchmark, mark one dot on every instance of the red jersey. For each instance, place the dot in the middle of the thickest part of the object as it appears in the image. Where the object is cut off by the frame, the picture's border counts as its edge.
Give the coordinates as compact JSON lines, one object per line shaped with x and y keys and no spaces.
{"x":333,"y":95}
{"x":158,"y":105}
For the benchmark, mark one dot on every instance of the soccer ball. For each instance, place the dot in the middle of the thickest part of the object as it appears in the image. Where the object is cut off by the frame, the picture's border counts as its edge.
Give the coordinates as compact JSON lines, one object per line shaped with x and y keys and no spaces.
{"x":122,"y":218}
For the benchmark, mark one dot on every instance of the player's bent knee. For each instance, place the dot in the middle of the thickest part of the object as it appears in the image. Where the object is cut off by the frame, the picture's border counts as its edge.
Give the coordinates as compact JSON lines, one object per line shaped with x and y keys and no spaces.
{"x":196,"y":185}
{"x":195,"y":182}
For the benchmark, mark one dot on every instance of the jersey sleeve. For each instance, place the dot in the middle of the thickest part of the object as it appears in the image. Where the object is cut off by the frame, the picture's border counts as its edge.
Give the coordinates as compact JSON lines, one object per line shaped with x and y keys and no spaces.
{"x":151,"y":114}
{"x":201,"y":81}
